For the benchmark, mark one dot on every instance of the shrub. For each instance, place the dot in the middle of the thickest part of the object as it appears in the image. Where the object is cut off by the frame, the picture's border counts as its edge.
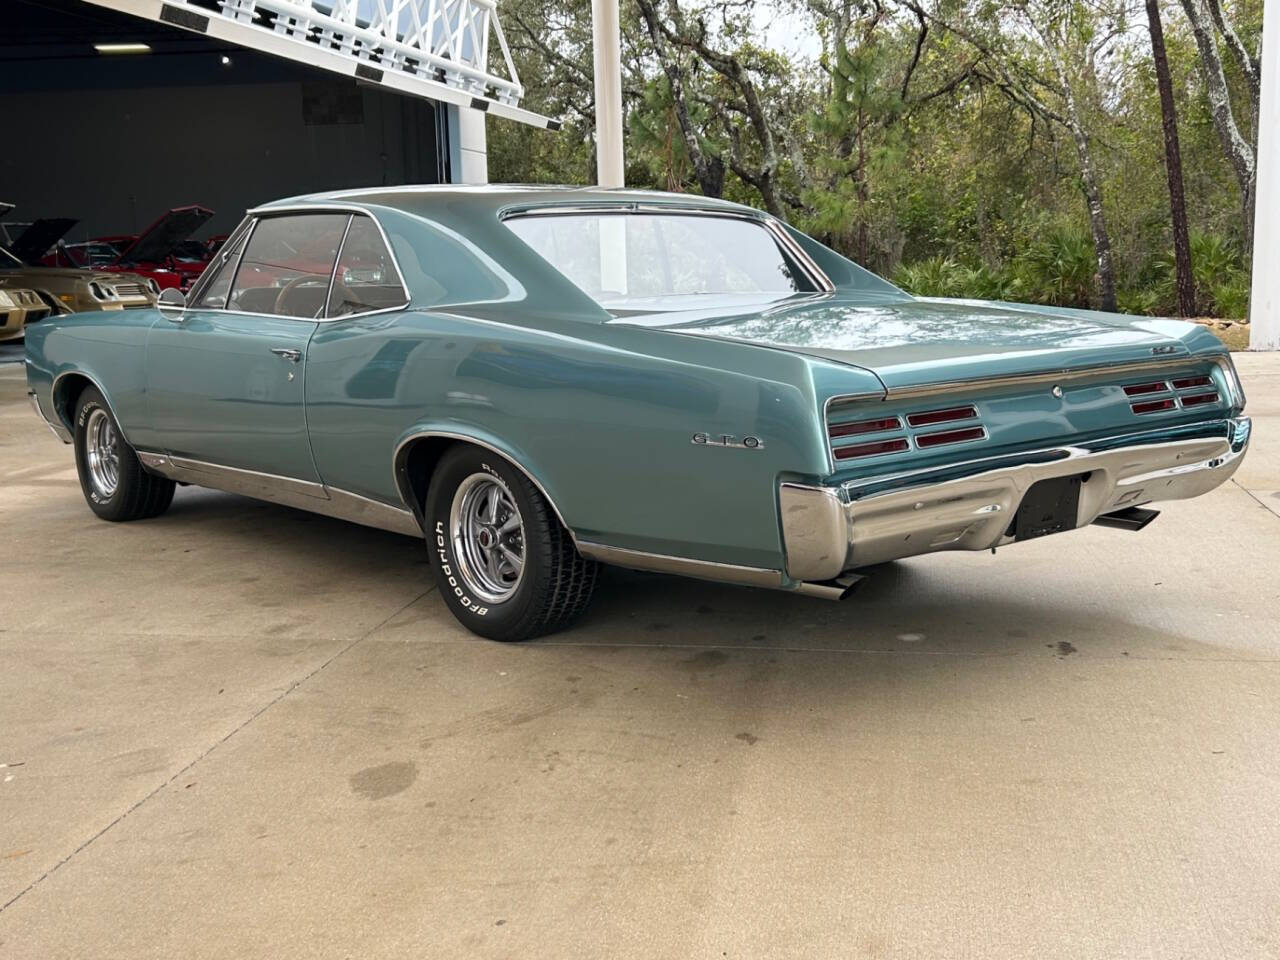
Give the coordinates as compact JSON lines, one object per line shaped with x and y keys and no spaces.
{"x":1059,"y":267}
{"x":935,"y":277}
{"x":1144,"y":301}
{"x":1231,"y":297}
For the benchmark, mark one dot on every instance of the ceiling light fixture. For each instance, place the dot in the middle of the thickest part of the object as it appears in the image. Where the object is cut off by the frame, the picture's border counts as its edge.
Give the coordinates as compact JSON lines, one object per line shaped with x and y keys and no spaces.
{"x":122,"y":47}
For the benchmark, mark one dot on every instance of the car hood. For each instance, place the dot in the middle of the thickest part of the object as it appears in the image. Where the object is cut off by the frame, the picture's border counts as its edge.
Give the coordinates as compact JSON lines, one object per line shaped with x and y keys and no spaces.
{"x":35,"y":241}
{"x":910,"y":341}
{"x":154,"y":243}
{"x":34,"y":274}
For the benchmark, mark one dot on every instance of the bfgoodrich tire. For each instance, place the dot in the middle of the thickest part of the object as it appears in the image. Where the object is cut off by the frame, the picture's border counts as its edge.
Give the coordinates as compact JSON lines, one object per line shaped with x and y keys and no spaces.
{"x":115,"y":485}
{"x":505,"y":566}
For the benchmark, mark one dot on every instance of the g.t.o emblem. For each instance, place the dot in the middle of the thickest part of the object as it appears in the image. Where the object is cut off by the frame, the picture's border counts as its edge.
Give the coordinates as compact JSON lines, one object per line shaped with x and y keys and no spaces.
{"x":727,"y":440}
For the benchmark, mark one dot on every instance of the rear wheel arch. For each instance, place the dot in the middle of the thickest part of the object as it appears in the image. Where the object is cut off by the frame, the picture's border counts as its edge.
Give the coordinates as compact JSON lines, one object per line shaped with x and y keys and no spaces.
{"x":418,"y":455}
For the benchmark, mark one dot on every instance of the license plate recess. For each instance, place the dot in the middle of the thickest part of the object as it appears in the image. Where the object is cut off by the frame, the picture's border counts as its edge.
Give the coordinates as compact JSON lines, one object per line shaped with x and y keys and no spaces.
{"x":1050,"y":506}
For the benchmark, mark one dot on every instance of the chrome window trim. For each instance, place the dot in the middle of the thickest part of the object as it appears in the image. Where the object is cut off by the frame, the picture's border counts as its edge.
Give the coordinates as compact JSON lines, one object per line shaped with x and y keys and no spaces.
{"x":333,"y":274}
{"x":786,"y":244}
{"x":223,"y":256}
{"x":257,"y":214}
{"x":386,"y":243}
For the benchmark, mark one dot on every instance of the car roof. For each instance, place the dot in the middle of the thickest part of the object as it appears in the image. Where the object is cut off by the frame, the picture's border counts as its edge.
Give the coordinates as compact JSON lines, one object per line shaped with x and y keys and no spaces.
{"x":499,"y":198}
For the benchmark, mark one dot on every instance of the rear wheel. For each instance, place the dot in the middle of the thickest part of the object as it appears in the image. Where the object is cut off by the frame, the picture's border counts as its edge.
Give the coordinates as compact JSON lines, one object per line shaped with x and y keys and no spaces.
{"x":505,"y":565}
{"x":115,"y":485}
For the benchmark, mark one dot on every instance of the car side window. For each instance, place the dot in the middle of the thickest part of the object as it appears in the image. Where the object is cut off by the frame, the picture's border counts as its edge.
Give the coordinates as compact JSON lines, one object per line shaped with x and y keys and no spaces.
{"x":366,"y":278}
{"x":214,"y":295}
{"x":287,"y":265}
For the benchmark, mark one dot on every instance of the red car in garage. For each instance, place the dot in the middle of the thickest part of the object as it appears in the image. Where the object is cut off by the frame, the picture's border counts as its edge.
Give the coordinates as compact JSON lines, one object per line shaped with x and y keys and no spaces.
{"x":158,"y":251}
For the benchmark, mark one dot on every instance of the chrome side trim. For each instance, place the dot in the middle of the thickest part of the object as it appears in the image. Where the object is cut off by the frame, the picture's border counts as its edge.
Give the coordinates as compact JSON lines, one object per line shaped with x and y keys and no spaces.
{"x":681,"y":566}
{"x":302,"y":494}
{"x":59,"y":430}
{"x":406,"y":492}
{"x":345,"y":505}
{"x":970,"y":506}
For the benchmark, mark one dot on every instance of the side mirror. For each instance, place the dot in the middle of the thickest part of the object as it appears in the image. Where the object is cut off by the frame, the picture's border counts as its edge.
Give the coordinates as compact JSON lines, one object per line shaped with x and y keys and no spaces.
{"x":172,"y":304}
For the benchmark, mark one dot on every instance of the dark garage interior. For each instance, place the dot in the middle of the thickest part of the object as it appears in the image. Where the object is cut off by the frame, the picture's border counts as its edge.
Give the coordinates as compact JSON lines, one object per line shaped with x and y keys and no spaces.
{"x":114,"y":140}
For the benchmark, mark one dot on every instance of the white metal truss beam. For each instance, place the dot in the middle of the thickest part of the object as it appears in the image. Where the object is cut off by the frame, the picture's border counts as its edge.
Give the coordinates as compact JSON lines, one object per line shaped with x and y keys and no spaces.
{"x":435,"y":49}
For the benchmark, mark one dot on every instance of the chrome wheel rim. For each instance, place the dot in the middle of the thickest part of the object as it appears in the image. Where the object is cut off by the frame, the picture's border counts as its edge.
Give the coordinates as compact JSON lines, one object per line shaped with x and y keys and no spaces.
{"x":488,"y":537}
{"x":102,"y":451}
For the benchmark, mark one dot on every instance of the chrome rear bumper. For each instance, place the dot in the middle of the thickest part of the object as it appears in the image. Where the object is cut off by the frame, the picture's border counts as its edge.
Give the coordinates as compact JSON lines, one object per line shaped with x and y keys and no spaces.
{"x":828,"y":530}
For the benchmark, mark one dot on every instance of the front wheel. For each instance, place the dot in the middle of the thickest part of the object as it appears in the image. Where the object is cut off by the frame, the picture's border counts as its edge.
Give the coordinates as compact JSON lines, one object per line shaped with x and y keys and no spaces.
{"x":505,"y":565}
{"x":115,"y":485}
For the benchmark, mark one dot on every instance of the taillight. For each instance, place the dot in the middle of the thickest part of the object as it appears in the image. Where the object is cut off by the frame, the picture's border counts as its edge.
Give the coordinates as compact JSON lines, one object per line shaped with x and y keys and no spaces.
{"x":1154,"y":406}
{"x":864,"y":426}
{"x":872,"y":448}
{"x":1187,"y":382}
{"x":1198,"y":399}
{"x":1142,"y":389}
{"x":931,"y":417}
{"x":943,"y":437}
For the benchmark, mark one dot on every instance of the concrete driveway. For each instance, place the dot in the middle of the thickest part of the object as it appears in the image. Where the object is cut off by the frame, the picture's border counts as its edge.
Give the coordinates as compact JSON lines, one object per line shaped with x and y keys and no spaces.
{"x":244,"y":731}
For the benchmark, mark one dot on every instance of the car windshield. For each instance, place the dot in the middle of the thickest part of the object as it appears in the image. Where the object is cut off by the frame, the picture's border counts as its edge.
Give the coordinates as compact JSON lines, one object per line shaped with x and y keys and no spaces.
{"x":92,"y":254}
{"x":632,"y":263}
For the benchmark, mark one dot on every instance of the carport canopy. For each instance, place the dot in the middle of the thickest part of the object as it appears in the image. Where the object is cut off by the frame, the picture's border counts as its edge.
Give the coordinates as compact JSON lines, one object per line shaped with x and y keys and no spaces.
{"x":434,"y":49}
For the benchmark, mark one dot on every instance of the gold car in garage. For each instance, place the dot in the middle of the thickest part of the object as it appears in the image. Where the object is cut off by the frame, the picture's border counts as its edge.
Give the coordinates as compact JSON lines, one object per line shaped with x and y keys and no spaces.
{"x":19,"y":307}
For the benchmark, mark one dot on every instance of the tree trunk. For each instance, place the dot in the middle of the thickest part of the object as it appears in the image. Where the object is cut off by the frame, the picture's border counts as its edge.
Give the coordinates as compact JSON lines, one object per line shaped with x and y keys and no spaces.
{"x":1089,"y":181}
{"x":1097,"y":222}
{"x":1173,"y":166}
{"x":1240,"y":153}
{"x":708,"y":169}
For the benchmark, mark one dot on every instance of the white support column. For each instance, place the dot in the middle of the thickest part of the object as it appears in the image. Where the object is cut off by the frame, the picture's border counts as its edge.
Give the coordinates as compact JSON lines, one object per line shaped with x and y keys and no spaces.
{"x":1264,"y":302}
{"x":468,"y":147}
{"x":608,"y":76}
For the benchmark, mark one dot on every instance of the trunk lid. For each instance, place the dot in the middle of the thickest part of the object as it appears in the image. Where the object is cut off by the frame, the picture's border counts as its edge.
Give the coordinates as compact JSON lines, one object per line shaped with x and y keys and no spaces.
{"x":914,"y":342}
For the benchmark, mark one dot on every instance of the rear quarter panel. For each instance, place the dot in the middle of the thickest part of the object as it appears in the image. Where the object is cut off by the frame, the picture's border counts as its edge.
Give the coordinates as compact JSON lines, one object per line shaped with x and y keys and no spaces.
{"x":603,"y":417}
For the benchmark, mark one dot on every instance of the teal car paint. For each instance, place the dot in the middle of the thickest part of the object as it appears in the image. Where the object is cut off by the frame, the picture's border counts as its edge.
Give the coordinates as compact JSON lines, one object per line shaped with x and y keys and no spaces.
{"x":755,"y":436}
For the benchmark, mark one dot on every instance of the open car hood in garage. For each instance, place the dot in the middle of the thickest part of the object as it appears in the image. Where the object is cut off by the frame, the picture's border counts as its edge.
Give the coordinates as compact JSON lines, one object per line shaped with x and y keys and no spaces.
{"x":36,"y":240}
{"x":158,"y":240}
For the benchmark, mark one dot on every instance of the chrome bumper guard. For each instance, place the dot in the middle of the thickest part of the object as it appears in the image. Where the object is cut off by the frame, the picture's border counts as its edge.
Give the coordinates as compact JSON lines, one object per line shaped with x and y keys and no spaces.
{"x":828,"y":530}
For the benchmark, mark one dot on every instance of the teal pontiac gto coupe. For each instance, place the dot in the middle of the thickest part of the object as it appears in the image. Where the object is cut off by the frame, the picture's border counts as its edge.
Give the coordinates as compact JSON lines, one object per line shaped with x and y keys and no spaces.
{"x":543,"y":379}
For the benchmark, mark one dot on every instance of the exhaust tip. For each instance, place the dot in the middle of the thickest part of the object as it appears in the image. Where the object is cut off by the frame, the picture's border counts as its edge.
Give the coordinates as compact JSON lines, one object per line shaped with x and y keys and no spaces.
{"x":837,"y":589}
{"x":1133,"y":518}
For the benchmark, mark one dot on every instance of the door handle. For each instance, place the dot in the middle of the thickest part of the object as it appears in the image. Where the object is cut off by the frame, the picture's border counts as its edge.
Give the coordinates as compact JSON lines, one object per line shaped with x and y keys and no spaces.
{"x":288,"y":353}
